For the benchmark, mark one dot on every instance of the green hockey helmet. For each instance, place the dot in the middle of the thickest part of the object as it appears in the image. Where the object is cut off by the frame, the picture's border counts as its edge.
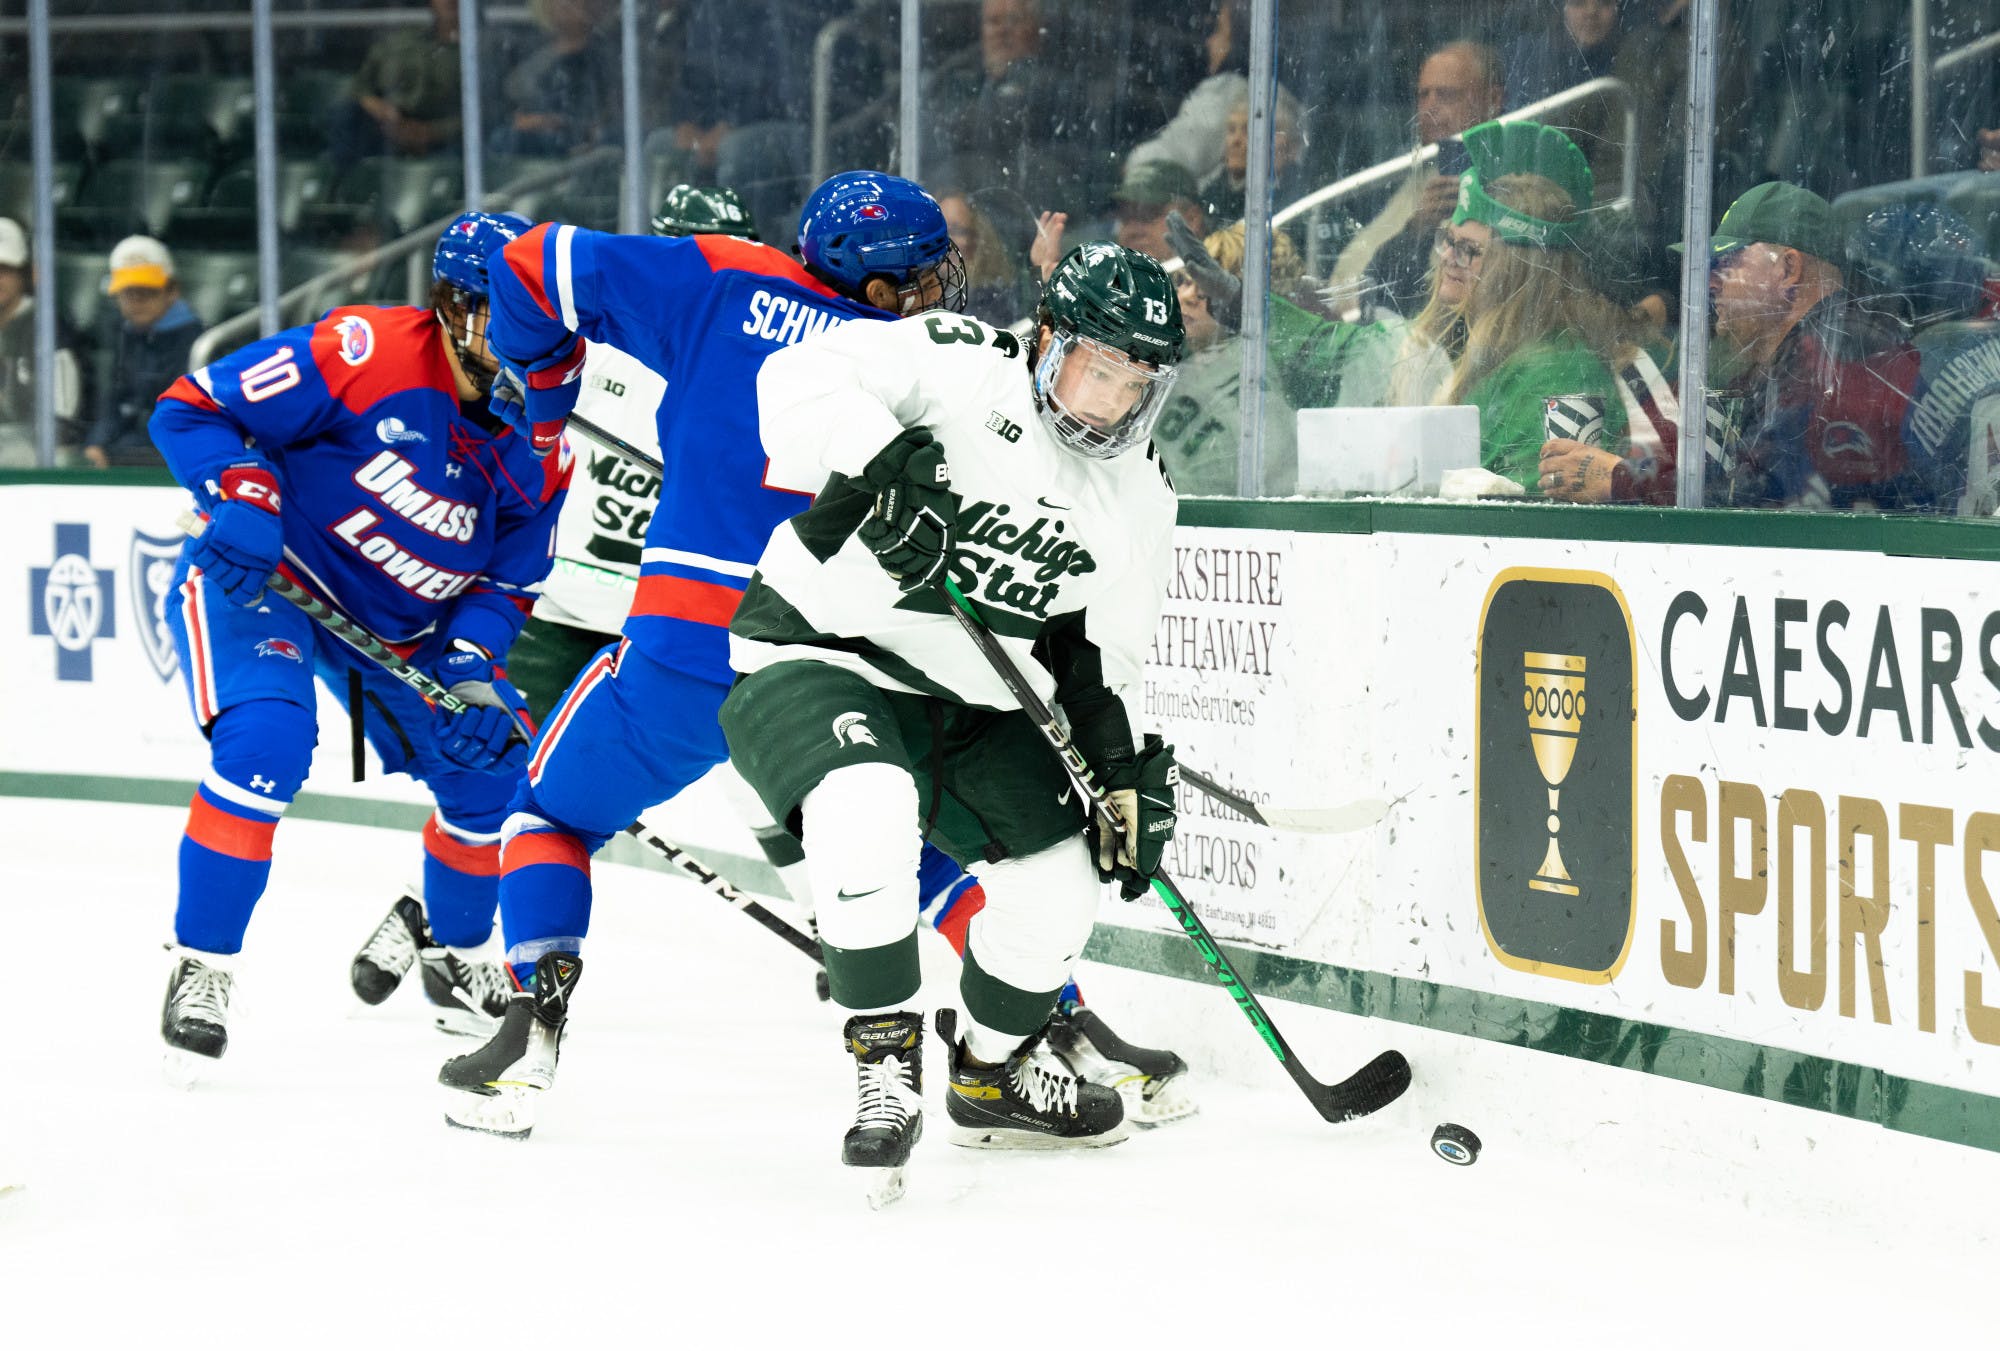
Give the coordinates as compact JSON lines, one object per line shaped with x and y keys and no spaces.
{"x":689,"y":210}
{"x":1115,"y":326}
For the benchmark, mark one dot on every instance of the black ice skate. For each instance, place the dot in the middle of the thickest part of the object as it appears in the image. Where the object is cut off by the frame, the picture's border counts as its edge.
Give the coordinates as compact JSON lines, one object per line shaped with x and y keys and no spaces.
{"x":194,"y":1021}
{"x":494,"y":1089}
{"x":390,"y":951}
{"x":888,"y":1051}
{"x":469,"y":995}
{"x":1029,"y":1102}
{"x":1153,"y":1084}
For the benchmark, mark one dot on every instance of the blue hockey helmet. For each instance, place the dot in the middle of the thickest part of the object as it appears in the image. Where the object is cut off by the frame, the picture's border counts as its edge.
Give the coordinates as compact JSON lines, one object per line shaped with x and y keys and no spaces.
{"x":467,"y":243}
{"x":1922,"y":254}
{"x":861,"y":225}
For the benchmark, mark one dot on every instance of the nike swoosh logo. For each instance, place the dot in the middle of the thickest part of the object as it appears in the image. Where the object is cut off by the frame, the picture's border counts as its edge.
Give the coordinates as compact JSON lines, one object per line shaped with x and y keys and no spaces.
{"x":855,"y":895}
{"x":1052,"y":506}
{"x":1062,"y":799}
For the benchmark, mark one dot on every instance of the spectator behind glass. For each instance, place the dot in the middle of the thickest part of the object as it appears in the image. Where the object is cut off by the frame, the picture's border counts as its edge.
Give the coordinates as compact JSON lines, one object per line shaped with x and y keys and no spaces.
{"x":1199,"y":431}
{"x":1388,"y":259}
{"x":143,"y":349}
{"x":1512,"y":316}
{"x":564,"y":97}
{"x":992,"y":281}
{"x":1004,"y":118}
{"x":1222,"y":193}
{"x":17,"y":358}
{"x":1922,"y":262}
{"x":1579,"y":45}
{"x":1810,"y":389}
{"x":1195,"y":137}
{"x":1140,"y":205}
{"x":404,"y":100}
{"x":743,"y":112}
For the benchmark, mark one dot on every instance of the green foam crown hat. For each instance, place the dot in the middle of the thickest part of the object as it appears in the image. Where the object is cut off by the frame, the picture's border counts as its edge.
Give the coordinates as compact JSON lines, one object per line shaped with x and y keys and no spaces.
{"x":1498,"y":149}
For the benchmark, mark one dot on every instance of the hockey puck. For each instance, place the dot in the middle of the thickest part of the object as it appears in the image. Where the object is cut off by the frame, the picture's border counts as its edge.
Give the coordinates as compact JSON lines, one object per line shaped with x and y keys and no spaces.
{"x":1455,"y":1144}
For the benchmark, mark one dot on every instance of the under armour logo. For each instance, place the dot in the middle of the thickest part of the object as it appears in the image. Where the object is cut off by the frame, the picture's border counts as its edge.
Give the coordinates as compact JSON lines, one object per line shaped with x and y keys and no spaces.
{"x":262,"y":784}
{"x":850,"y":729}
{"x":451,"y":470}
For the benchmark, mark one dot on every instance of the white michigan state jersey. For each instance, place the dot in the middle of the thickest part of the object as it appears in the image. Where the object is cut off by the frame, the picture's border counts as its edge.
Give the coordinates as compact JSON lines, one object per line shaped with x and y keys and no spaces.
{"x":1046,"y":538}
{"x":603,"y":524}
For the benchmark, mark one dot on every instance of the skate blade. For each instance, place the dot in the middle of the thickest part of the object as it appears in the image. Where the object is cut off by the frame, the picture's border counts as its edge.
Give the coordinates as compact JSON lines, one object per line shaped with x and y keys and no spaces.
{"x":508,"y":1113}
{"x":885,"y":1189}
{"x":463,"y":1022}
{"x":1151,"y":1102}
{"x":1003,"y":1137}
{"x":185,"y":1069}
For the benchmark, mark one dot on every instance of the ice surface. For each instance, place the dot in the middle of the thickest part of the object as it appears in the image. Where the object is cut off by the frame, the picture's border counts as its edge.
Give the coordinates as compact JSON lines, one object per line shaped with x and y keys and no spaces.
{"x":683,"y":1187}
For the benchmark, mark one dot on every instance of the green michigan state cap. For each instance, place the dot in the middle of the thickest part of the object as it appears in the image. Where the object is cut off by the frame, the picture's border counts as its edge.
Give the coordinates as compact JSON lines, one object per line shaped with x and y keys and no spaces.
{"x":1782,"y":214}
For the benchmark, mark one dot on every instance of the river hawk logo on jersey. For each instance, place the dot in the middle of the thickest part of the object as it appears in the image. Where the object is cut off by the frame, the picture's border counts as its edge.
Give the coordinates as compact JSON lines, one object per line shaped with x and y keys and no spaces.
{"x":1009,"y":432}
{"x":280,"y":647}
{"x":356,"y":338}
{"x":393,"y":431}
{"x":72,"y":602}
{"x":150,"y":579}
{"x":851,"y":729}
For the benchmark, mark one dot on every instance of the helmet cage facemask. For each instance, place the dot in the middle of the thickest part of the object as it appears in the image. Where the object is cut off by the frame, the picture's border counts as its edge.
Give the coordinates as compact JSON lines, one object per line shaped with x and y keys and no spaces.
{"x":1084,"y":437}
{"x":479,"y":371}
{"x":949,"y":272}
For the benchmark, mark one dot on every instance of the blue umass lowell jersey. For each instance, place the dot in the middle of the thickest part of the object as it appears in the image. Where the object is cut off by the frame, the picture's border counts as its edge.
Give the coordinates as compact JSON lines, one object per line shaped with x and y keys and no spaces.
{"x":704,"y":312}
{"x":399,"y":508}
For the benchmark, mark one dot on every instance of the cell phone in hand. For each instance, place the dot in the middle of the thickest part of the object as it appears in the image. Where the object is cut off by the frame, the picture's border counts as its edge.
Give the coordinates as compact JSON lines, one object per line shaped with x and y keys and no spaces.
{"x":1453,"y":158}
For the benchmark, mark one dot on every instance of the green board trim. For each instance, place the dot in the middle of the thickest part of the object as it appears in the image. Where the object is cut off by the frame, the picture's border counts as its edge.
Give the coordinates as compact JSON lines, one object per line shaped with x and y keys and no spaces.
{"x":1795,"y":1078}
{"x":1894,"y":536}
{"x":1898,"y":536}
{"x":1791,"y":1077}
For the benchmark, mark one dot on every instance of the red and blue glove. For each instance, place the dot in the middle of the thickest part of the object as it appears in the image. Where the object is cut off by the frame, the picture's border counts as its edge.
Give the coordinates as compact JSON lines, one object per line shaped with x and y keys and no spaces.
{"x":493,"y":732}
{"x":536,"y":400}
{"x":245,"y":535}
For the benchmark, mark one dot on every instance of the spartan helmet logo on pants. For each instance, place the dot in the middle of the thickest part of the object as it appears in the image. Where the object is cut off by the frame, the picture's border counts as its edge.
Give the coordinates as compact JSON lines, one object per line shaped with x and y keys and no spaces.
{"x":851,"y":729}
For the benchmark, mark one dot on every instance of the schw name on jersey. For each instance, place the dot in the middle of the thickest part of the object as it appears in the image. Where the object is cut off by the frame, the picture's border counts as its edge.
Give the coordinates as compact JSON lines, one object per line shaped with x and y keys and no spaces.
{"x":785,"y":320}
{"x":388,"y":479}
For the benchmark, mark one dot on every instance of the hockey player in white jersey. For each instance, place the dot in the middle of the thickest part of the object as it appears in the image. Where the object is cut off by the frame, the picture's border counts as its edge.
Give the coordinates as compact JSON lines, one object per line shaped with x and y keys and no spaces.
{"x":868,"y":721}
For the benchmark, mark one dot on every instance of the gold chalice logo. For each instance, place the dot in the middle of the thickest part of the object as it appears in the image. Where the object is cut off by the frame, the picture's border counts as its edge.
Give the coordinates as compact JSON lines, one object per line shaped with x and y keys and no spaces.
{"x":1553,"y":697}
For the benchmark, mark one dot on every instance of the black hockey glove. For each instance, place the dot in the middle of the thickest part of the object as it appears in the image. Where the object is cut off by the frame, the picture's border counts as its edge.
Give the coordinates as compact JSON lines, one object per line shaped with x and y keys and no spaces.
{"x":1146,"y":812}
{"x":1222,"y":289}
{"x":910,"y":529}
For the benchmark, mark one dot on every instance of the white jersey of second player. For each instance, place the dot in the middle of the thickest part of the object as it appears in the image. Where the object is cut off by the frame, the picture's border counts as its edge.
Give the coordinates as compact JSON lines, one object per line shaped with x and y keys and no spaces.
{"x":1046,"y":537}
{"x":603,"y":525}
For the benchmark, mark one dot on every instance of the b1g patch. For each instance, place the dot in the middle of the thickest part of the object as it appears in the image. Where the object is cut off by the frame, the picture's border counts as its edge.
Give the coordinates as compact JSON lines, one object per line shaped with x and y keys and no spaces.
{"x":1556,"y":747}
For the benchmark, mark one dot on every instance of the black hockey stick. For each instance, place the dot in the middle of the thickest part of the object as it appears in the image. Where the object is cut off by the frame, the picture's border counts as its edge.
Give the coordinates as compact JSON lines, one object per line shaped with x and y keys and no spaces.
{"x":616,"y":444}
{"x":1372,"y":1087}
{"x":720,"y":885}
{"x":375,"y":650}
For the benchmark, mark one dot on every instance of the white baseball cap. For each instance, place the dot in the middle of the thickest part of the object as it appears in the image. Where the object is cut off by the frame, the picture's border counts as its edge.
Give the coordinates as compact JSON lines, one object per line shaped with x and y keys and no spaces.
{"x":13,"y":244}
{"x":140,"y":260}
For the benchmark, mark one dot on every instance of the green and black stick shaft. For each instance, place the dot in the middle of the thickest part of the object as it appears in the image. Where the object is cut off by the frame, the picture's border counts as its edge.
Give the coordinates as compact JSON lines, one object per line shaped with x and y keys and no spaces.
{"x":367,"y":645}
{"x":1372,"y":1087}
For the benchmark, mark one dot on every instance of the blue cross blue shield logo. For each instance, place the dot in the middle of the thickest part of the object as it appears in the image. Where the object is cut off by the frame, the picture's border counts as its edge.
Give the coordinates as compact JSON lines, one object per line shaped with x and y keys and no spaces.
{"x":150,"y":575}
{"x":72,"y":602}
